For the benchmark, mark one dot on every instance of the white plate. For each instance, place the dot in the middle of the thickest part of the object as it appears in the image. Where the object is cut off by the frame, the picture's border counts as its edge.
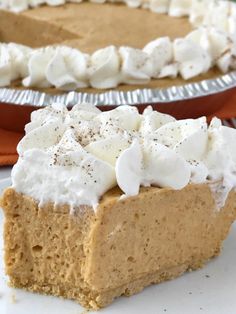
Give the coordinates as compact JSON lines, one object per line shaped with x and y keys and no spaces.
{"x":211,"y":290}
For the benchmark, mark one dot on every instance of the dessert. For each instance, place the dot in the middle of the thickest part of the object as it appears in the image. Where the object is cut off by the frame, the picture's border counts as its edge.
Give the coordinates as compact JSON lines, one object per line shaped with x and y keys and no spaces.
{"x":103,"y":204}
{"x":110,"y":47}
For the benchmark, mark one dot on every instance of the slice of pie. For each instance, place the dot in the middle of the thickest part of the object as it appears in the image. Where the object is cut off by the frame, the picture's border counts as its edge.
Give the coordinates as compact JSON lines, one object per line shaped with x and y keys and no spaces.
{"x":104,"y":204}
{"x":69,"y":45}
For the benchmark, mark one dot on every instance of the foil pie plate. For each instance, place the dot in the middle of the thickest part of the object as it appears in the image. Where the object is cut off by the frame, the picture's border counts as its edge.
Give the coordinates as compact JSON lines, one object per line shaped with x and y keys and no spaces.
{"x":187,"y":101}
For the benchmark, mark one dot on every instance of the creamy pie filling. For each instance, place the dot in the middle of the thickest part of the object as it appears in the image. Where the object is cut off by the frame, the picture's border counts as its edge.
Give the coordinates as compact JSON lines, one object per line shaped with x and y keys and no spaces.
{"x":175,"y":52}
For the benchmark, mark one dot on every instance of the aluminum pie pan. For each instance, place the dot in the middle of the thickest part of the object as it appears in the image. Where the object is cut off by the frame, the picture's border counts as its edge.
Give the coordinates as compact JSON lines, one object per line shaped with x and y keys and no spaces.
{"x":192,"y":100}
{"x":117,"y":98}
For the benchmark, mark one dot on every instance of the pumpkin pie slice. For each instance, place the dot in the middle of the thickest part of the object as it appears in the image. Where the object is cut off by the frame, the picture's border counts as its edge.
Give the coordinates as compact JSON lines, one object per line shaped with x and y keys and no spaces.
{"x":103,"y":204}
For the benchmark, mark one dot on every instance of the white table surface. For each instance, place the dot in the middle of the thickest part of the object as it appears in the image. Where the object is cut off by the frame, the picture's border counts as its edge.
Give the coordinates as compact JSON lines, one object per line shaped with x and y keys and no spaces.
{"x":5,"y":172}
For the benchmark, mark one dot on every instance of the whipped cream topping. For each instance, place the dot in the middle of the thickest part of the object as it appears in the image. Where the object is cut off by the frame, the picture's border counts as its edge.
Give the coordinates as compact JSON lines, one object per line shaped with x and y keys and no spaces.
{"x":180,"y":8}
{"x":191,"y":57}
{"x":198,"y":10}
{"x":74,"y":157}
{"x":159,"y":6}
{"x":105,"y":68}
{"x":212,"y":43}
{"x":13,"y":62}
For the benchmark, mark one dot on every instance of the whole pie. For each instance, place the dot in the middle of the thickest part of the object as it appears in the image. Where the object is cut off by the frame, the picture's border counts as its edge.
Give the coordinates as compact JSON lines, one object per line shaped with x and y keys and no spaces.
{"x":72,"y":45}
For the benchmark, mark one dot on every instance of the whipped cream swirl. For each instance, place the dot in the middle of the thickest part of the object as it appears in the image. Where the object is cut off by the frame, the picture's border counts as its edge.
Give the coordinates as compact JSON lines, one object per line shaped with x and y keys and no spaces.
{"x":74,"y":157}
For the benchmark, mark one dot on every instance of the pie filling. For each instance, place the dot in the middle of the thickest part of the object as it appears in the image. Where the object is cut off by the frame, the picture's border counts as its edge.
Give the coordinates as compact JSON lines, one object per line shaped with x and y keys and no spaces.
{"x":73,"y":46}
